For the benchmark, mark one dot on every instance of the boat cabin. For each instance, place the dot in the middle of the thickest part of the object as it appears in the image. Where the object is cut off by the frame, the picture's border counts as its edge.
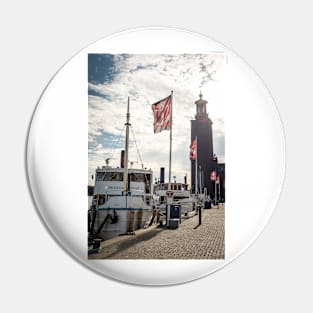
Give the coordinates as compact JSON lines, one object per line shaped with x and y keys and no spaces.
{"x":109,"y":183}
{"x":180,"y":191}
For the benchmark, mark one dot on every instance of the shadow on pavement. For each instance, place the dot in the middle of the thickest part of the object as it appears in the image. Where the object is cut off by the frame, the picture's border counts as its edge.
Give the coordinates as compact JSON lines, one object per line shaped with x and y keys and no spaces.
{"x":125,"y":244}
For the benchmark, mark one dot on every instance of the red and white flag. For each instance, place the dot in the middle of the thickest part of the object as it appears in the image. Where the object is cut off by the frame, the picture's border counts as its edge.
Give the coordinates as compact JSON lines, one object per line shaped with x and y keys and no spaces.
{"x":193,"y":150}
{"x":213,"y":175}
{"x":162,"y":111}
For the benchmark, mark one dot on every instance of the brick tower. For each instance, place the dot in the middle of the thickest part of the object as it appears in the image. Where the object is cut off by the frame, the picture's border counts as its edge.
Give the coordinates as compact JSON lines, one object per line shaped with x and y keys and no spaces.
{"x":201,"y":127}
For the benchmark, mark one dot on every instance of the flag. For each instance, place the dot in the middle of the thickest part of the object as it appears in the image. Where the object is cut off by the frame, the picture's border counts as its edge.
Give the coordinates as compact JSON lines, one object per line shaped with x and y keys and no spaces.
{"x":162,"y":111}
{"x":213,"y":175}
{"x":193,"y":150}
{"x":217,"y":180}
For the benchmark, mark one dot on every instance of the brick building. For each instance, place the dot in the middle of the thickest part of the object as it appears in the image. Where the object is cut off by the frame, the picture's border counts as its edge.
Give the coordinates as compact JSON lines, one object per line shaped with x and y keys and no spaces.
{"x":201,"y":128}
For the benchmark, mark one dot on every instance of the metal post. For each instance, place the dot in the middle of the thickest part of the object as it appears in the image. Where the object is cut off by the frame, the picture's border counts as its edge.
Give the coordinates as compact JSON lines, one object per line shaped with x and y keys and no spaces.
{"x":219,"y":191}
{"x":170,"y":162}
{"x":200,"y":180}
{"x":215,"y":190}
{"x":196,"y":186}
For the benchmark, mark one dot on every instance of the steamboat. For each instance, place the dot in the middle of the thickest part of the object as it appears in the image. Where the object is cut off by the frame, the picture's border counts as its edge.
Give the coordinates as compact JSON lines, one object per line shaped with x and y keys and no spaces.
{"x":122,"y":197}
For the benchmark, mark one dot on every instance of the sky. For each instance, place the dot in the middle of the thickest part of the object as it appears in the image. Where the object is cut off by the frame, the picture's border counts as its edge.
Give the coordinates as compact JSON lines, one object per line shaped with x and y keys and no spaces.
{"x":147,"y":79}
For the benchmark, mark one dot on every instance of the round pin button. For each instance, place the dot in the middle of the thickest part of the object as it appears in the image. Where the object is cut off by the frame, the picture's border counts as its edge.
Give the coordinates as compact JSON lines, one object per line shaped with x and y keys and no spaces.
{"x":155,"y":156}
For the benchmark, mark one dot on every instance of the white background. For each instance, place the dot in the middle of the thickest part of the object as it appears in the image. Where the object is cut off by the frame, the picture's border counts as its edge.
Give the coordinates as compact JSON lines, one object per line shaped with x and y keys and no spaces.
{"x":274,"y":274}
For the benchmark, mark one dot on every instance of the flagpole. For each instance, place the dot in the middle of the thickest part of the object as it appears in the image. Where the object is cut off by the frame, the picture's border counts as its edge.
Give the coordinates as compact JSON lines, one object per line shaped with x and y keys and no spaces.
{"x":219,"y":190}
{"x":200,"y":180}
{"x":170,"y":165}
{"x":170,"y":160}
{"x":215,"y":188}
{"x":196,"y":186}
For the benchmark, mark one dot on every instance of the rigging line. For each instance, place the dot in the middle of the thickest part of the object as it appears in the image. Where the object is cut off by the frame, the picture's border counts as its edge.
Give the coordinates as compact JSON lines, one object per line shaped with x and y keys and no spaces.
{"x":133,"y":133}
{"x":114,"y":148}
{"x":145,"y":175}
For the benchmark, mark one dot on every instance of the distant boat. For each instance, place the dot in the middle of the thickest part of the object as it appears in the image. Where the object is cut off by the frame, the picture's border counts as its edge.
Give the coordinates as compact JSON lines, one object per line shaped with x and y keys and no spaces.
{"x":180,"y":195}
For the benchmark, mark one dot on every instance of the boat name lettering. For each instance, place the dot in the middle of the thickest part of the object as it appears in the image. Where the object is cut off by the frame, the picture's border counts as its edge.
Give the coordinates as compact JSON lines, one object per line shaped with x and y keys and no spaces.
{"x":120,"y":188}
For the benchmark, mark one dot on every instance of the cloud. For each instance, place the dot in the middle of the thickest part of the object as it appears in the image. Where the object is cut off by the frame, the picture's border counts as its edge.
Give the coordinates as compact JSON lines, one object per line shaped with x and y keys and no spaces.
{"x":147,"y":79}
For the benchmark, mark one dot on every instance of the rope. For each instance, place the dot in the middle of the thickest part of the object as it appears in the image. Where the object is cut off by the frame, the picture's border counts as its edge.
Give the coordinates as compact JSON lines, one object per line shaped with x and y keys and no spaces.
{"x":136,"y":146}
{"x":114,"y":148}
{"x":146,"y":179}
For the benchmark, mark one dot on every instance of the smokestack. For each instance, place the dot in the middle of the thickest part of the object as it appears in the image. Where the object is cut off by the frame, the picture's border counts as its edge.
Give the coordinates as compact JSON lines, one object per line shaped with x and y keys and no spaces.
{"x":122,"y":158}
{"x":162,"y":171}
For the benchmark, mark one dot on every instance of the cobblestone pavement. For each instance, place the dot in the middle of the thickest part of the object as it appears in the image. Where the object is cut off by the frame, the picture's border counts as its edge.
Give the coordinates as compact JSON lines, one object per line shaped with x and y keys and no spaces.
{"x":206,"y":241}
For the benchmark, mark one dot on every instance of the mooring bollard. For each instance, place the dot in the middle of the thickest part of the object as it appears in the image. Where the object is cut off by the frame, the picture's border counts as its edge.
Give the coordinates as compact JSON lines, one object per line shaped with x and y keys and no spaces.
{"x":96,"y":244}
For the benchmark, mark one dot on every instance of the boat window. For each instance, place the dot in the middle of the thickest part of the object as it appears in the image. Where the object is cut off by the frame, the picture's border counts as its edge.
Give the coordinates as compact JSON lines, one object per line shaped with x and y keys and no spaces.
{"x":137,"y":177}
{"x":109,"y":176}
{"x":115,"y":176}
{"x":148,"y":178}
{"x":99,"y":176}
{"x":148,"y":181}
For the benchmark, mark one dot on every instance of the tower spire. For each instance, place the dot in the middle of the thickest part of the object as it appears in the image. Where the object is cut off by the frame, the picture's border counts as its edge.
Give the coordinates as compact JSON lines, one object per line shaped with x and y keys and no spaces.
{"x":201,"y":106}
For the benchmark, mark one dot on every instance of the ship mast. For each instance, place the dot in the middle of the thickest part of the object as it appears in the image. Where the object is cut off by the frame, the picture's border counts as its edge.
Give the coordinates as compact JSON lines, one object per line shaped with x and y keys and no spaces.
{"x":127,"y":124}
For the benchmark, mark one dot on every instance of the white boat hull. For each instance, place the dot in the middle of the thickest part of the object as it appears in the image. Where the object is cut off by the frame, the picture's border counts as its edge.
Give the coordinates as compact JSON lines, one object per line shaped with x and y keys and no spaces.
{"x":127,"y":221}
{"x":130,"y":215}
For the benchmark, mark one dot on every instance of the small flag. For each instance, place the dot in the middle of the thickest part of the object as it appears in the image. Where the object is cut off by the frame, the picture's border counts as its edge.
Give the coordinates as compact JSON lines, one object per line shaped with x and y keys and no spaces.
{"x":213,"y":175}
{"x":217,"y":180}
{"x":162,"y":111}
{"x":193,"y":150}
